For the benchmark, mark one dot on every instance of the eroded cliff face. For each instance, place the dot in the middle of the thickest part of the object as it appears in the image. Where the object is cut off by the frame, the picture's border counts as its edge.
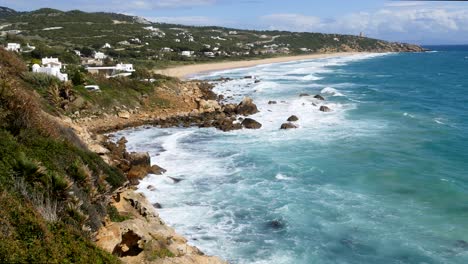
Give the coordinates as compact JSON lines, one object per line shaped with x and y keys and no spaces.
{"x":144,"y":237}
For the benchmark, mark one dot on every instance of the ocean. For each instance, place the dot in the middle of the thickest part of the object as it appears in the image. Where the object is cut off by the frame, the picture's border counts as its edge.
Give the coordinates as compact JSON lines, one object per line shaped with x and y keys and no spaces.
{"x":383,"y":178}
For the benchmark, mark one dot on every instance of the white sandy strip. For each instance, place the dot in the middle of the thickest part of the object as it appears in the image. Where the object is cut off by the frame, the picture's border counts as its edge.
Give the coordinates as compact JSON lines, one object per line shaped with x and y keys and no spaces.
{"x":186,"y":71}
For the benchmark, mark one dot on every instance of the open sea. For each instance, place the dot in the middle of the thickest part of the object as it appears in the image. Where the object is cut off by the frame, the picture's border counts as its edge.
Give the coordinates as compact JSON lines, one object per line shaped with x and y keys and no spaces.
{"x":383,"y":178}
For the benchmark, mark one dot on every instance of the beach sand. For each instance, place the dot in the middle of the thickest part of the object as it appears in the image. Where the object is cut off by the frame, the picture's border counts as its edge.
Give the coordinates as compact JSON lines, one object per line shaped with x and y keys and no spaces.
{"x":184,"y":72}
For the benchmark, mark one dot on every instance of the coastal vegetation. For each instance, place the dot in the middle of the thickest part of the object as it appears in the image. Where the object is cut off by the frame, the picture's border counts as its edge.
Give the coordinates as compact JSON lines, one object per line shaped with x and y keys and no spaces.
{"x":52,"y":189}
{"x":149,"y":44}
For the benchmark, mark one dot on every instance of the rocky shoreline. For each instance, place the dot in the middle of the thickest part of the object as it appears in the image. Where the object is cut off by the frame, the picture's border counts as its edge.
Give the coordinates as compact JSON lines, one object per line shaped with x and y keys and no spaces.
{"x":143,"y":237}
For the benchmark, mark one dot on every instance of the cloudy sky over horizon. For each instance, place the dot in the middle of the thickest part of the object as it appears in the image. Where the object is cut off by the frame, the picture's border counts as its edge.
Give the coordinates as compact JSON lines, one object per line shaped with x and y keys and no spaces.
{"x":422,"y":22}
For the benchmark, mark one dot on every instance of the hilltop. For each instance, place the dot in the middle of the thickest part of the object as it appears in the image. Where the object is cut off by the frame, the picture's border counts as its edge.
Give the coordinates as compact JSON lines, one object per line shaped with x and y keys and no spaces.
{"x":140,"y":41}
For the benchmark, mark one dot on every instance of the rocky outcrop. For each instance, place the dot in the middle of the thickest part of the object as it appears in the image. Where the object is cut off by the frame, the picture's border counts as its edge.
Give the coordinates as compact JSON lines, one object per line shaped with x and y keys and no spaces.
{"x":325,"y":108}
{"x":272,"y":102}
{"x":208,"y":106}
{"x":304,"y":94}
{"x":247,"y":107}
{"x":288,"y":126}
{"x":144,"y":237}
{"x":249,"y":123}
{"x":293,"y":118}
{"x":319,"y":97}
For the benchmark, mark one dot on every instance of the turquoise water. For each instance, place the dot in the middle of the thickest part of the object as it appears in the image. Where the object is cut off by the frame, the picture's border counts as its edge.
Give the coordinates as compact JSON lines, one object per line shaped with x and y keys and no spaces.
{"x":381,"y":179}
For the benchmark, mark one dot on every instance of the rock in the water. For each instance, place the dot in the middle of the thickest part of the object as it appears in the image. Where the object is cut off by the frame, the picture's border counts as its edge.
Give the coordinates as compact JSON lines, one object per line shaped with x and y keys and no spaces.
{"x":304,"y":94}
{"x":257,"y":81}
{"x":176,"y":180}
{"x":247,"y":107}
{"x":325,"y":108}
{"x":157,"y":205}
{"x":272,"y":102}
{"x":230,"y":109}
{"x":276,"y":224}
{"x":288,"y":126}
{"x":155,"y":169}
{"x":293,"y":118}
{"x":319,"y":97}
{"x":249,"y":123}
{"x":139,"y":159}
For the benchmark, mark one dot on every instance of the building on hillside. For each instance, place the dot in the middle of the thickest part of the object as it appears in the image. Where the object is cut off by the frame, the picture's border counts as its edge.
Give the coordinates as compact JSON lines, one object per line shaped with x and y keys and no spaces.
{"x":51,"y":66}
{"x":166,"y":49}
{"x":209,"y":54}
{"x":99,"y":56}
{"x":107,"y":46}
{"x":113,"y":71}
{"x":187,"y":53}
{"x":16,"y":47}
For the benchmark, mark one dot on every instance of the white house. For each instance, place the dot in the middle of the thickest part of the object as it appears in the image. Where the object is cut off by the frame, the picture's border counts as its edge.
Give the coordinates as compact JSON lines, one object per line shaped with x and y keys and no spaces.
{"x":51,"y":66}
{"x":107,"y":46}
{"x":113,"y":71}
{"x":232,"y":32}
{"x":209,"y":54}
{"x":177,"y":40}
{"x":99,"y":55}
{"x":13,"y":47}
{"x":187,"y":53}
{"x":77,"y":52}
{"x":166,"y":49}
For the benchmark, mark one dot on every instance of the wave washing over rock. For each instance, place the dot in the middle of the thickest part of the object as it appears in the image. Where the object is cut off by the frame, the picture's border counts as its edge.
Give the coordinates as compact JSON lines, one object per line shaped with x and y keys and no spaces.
{"x":362,"y":183}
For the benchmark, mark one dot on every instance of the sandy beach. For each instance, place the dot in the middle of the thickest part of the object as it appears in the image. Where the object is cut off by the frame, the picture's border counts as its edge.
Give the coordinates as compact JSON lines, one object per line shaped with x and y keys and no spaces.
{"x":183,"y":72}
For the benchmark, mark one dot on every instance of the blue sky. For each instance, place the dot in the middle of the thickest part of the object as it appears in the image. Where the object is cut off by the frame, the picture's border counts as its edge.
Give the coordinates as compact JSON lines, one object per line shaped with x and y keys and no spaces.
{"x":422,"y":22}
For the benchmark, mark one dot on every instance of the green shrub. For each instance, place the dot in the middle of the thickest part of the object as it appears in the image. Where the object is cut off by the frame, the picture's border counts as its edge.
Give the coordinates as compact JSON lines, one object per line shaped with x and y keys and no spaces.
{"x":114,"y":214}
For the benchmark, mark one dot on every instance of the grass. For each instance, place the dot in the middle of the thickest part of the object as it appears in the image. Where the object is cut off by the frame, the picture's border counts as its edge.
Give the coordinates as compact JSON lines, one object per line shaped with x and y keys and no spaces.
{"x":115,"y":216}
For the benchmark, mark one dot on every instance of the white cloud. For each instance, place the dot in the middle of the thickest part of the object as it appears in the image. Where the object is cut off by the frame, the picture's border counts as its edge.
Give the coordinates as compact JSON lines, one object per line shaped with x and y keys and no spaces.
{"x":297,"y":22}
{"x":409,"y":22}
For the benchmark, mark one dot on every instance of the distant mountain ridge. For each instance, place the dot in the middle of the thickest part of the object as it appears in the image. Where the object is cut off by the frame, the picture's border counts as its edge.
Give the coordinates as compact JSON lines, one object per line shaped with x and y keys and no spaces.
{"x":6,"y":12}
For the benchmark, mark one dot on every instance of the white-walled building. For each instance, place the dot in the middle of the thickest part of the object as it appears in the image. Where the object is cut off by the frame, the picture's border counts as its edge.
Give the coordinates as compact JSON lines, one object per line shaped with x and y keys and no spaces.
{"x":13,"y":47}
{"x":187,"y":53}
{"x":99,"y":55}
{"x":51,"y":66}
{"x":120,"y":69}
{"x":107,"y":46}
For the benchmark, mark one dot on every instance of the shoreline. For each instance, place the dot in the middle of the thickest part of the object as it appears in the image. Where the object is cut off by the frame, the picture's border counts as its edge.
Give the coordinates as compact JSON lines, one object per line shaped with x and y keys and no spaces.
{"x":186,"y":71}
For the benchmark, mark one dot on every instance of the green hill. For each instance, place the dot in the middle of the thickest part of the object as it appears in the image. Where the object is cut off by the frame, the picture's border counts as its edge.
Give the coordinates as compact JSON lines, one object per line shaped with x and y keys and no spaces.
{"x":140,"y":41}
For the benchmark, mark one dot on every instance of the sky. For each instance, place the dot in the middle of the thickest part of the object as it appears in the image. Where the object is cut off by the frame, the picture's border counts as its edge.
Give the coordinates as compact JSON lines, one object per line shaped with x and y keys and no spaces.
{"x":420,"y":22}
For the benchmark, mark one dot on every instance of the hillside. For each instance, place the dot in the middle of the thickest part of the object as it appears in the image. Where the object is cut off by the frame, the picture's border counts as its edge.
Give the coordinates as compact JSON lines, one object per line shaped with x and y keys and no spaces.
{"x":140,"y":41}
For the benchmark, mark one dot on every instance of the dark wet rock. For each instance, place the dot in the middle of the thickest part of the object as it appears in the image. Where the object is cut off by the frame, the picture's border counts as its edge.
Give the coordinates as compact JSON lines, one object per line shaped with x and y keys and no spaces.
{"x":220,"y":97}
{"x":249,"y":123}
{"x":272,"y":102}
{"x":257,"y":81}
{"x":247,"y":107}
{"x":325,"y":108}
{"x":175,"y":180}
{"x":293,"y":118}
{"x":304,"y":94}
{"x":461,"y":244}
{"x":226,"y":124}
{"x":319,"y":97}
{"x":276,"y":224}
{"x":230,"y":109}
{"x":151,"y":188}
{"x":288,"y":126}
{"x":248,"y":77}
{"x":157,"y":205}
